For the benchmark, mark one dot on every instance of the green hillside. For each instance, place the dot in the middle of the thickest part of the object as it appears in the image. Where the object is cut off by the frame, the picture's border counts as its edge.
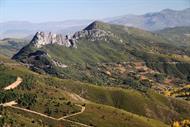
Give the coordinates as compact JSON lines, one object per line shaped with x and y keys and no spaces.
{"x":107,"y":45}
{"x":10,"y":46}
{"x":112,"y":70}
{"x":37,"y":91}
{"x":178,"y":35}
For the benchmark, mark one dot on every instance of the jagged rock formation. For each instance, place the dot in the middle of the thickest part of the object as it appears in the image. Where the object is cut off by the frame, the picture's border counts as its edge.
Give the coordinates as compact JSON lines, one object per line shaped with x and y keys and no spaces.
{"x":41,"y":39}
{"x":93,"y":32}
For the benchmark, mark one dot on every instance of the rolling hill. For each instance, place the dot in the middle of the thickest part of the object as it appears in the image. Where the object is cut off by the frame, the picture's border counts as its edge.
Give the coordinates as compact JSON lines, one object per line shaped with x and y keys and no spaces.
{"x":10,"y":46}
{"x":102,"y":103}
{"x":178,"y":35}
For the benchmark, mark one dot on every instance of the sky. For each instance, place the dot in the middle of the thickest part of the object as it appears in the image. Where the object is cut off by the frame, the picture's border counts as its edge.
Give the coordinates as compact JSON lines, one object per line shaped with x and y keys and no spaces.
{"x":60,"y":10}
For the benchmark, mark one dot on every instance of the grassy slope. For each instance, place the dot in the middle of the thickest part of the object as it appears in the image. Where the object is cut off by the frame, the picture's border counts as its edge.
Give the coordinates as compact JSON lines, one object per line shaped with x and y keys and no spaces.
{"x":178,"y":35}
{"x":43,"y":88}
{"x":147,"y":104}
{"x":21,"y":118}
{"x":88,"y":52}
{"x":105,"y":116}
{"x":95,"y":114}
{"x":9,"y":47}
{"x":138,"y":45}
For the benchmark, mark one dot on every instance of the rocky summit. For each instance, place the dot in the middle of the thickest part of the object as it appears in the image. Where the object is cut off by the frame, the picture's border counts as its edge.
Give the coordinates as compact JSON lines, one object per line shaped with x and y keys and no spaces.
{"x":93,"y":33}
{"x":40,"y":39}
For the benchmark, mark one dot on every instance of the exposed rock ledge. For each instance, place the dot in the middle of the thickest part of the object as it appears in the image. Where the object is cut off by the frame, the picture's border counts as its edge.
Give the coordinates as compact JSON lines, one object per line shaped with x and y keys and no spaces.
{"x":41,"y":39}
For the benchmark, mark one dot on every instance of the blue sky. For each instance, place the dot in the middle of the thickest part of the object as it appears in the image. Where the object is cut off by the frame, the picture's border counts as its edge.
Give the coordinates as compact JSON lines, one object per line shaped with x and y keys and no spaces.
{"x":59,"y":10}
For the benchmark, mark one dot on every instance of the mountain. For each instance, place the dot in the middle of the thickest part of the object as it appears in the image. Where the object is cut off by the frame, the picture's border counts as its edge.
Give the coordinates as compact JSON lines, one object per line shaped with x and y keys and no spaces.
{"x":155,"y":21}
{"x":105,"y":36}
{"x":107,"y":54}
{"x":178,"y":35}
{"x":150,"y":21}
{"x":105,"y":75}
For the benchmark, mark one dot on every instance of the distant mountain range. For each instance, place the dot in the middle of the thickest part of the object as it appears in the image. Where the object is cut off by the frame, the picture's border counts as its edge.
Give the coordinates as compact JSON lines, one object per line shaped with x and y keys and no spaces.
{"x":155,"y":21}
{"x":20,"y":29}
{"x":150,"y":21}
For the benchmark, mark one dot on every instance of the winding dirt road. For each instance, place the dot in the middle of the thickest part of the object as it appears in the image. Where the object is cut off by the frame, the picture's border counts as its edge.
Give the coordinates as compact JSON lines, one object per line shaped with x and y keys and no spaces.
{"x":14,"y":84}
{"x":12,"y":103}
{"x":30,"y":111}
{"x":59,"y":119}
{"x":82,"y":110}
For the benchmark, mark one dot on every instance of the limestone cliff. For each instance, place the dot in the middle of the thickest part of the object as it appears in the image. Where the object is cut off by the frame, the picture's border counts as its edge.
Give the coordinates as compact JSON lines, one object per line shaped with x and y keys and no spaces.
{"x":41,"y":39}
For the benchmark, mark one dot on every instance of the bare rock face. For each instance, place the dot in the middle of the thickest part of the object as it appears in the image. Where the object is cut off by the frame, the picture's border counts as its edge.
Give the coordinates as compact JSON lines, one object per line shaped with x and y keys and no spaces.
{"x":42,"y":39}
{"x":94,"y":32}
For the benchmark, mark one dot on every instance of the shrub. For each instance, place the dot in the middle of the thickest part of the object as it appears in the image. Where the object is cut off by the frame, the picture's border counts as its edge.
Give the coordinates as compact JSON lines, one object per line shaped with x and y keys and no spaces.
{"x":27,"y":99}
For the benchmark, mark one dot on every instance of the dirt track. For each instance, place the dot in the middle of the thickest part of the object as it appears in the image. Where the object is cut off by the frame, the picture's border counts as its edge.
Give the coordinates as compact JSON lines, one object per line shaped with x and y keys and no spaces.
{"x":82,"y":110}
{"x":14,"y":84}
{"x":12,"y":103}
{"x":59,"y":119}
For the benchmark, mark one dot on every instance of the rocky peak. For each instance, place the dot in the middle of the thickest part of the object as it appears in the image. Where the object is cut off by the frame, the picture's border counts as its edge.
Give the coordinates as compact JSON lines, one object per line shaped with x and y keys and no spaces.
{"x":40,"y":39}
{"x":95,"y":31}
{"x":96,"y":25}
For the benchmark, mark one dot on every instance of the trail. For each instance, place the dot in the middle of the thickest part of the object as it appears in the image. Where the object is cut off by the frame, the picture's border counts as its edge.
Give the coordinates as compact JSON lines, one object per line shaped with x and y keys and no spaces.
{"x":40,"y":114}
{"x":75,"y":97}
{"x":12,"y":103}
{"x":34,"y":112}
{"x":78,"y":113}
{"x":78,"y":123}
{"x":14,"y":85}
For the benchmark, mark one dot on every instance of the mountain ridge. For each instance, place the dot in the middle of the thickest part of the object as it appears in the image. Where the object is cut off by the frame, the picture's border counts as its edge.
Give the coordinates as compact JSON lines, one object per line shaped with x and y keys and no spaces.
{"x":156,"y":20}
{"x":106,"y":43}
{"x":149,"y":21}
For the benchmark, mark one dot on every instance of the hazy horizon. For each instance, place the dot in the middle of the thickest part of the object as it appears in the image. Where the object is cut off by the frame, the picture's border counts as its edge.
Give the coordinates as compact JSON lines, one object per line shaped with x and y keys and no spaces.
{"x":37,"y":11}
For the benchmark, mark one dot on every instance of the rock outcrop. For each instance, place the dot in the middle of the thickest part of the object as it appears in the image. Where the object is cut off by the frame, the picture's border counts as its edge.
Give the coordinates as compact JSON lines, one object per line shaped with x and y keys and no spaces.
{"x":93,"y":35}
{"x":41,"y":39}
{"x":94,"y":32}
